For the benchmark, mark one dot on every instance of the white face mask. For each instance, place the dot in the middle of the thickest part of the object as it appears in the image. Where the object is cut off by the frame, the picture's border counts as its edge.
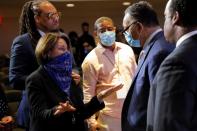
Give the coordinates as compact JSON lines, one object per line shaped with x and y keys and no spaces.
{"x":107,"y":38}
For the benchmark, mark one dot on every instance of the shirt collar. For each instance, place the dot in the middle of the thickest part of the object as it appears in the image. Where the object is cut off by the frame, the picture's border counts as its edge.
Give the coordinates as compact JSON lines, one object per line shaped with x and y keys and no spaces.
{"x":41,"y":32}
{"x":103,"y":49}
{"x":151,"y":37}
{"x":184,"y":37}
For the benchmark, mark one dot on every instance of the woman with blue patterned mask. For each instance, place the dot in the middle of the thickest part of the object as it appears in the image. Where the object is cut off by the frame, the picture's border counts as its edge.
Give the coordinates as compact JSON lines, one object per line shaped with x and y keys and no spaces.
{"x":54,"y":97}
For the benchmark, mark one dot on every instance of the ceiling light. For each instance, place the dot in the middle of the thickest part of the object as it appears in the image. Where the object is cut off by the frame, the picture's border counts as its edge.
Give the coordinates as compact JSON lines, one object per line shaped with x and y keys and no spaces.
{"x":126,"y":3}
{"x":70,"y":5}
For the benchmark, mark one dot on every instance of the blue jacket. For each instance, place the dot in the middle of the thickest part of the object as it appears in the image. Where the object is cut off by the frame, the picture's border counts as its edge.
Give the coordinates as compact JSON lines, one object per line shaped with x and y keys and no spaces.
{"x":135,"y":105}
{"x":22,"y":63}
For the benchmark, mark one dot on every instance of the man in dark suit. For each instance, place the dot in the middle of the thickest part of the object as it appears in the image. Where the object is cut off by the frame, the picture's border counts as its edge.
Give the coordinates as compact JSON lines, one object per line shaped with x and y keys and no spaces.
{"x":37,"y":18}
{"x":141,"y":23}
{"x":172,"y":104}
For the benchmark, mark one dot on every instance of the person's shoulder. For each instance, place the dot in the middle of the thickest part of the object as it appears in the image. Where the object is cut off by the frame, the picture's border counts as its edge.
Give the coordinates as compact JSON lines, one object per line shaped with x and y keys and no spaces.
{"x":123,"y":46}
{"x":21,"y":38}
{"x":161,"y":44}
{"x":91,"y":55}
{"x":37,"y":79}
{"x":160,"y":50}
{"x":37,"y":74}
{"x":160,"y":39}
{"x":91,"y":58}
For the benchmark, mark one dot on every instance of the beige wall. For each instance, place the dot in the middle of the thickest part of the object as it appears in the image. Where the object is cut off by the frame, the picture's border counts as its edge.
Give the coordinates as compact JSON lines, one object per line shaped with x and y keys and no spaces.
{"x":71,"y":19}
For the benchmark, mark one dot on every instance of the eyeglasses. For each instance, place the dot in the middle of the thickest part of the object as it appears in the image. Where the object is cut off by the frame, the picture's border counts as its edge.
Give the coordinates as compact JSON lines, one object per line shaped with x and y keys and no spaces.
{"x":128,"y":27}
{"x":53,"y":15}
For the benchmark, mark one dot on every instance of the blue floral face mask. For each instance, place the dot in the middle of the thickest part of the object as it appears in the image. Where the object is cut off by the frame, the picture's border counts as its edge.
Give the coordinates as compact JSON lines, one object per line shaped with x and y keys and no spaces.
{"x":60,"y":69}
{"x":107,"y":38}
{"x":62,"y":63}
{"x":131,"y":41}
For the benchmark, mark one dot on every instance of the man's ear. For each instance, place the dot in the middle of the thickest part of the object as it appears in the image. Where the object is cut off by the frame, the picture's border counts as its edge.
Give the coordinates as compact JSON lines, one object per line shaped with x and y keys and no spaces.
{"x":96,"y":38}
{"x":36,"y":18}
{"x":176,"y":18}
{"x":140,"y":27}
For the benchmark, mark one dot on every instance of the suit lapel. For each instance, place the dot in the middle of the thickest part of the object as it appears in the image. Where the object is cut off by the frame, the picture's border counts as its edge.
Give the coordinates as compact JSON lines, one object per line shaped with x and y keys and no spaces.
{"x":146,"y":50}
{"x":130,"y":93}
{"x":142,"y":60}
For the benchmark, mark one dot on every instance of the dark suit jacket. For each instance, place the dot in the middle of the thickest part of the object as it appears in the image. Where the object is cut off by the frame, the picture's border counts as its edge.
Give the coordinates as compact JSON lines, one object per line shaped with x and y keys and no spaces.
{"x":172,"y":103}
{"x":44,"y":95}
{"x":135,"y":106}
{"x":22,"y":63}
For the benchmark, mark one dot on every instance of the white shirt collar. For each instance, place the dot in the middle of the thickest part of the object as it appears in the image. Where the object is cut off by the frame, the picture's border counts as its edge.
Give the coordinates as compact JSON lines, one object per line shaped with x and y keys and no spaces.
{"x":41,"y":32}
{"x":184,"y":37}
{"x":151,"y":37}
